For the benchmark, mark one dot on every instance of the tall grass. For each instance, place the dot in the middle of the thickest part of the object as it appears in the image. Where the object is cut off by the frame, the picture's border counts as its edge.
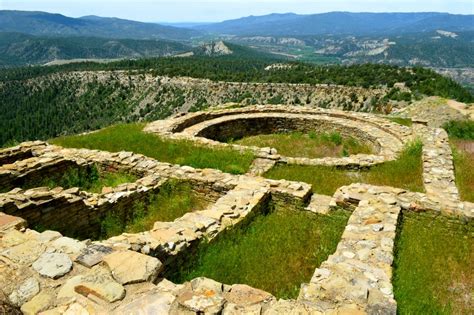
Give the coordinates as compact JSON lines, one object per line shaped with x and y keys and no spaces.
{"x":276,"y":252}
{"x":433,"y":266}
{"x":464,"y":169}
{"x":405,"y":172}
{"x":311,"y":145}
{"x":129,"y":137}
{"x":88,"y":179}
{"x":174,"y":199}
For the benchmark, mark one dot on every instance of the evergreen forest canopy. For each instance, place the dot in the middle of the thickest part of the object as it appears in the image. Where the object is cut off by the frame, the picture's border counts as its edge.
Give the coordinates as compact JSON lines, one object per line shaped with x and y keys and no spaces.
{"x":54,"y":106}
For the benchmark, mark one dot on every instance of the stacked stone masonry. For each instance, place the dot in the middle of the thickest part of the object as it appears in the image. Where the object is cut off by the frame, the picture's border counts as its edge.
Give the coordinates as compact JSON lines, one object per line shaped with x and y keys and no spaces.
{"x":50,"y":273}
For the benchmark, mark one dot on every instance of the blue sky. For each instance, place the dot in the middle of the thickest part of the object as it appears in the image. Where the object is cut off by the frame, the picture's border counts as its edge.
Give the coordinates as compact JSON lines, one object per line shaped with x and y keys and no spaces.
{"x":214,"y":10}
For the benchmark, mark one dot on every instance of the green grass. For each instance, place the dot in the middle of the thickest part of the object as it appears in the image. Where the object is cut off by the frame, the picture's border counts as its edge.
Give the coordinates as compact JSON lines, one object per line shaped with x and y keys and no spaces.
{"x":464,"y":169}
{"x":433,"y":266}
{"x":276,"y":252}
{"x":311,"y":145}
{"x":405,"y":172}
{"x":172,"y":201}
{"x":88,"y":179}
{"x":129,"y":137}
{"x":401,"y":121}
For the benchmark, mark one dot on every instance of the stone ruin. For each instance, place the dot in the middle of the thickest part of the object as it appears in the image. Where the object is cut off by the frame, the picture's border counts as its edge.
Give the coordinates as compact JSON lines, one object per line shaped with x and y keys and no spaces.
{"x":51,"y":272}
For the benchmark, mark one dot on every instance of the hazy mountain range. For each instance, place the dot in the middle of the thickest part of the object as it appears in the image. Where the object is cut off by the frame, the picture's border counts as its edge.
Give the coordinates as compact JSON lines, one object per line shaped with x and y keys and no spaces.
{"x":48,"y":24}
{"x":341,"y":23}
{"x":426,"y":39}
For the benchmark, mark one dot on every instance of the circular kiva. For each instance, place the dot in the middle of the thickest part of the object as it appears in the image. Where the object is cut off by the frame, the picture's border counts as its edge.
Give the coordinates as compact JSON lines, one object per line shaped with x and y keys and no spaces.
{"x":215,"y":128}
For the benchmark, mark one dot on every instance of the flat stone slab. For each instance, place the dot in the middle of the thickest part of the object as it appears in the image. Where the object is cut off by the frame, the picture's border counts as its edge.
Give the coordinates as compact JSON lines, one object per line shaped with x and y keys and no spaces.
{"x":24,"y":253}
{"x":243,"y":295}
{"x":9,"y":221}
{"x":53,"y":265}
{"x":132,"y":267}
{"x":92,"y":255}
{"x":97,"y":282}
{"x":149,"y":303}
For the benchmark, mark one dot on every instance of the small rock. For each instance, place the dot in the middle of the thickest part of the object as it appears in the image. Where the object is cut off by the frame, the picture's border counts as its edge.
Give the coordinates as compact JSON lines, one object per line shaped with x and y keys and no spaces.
{"x":377,"y":227}
{"x":53,"y":265}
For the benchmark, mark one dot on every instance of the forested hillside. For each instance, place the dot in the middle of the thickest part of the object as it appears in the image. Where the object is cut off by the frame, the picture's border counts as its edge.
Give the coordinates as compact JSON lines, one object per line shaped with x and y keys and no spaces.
{"x":50,"y":24}
{"x":22,"y":49}
{"x":43,"y":102}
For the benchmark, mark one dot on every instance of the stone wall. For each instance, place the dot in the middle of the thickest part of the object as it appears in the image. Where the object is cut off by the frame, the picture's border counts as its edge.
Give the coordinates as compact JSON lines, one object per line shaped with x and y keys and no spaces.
{"x":204,"y":128}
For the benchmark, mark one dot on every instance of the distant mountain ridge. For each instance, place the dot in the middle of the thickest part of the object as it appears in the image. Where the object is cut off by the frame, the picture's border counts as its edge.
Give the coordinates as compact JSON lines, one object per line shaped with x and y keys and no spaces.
{"x":49,"y":24}
{"x":22,"y":49}
{"x":341,"y":23}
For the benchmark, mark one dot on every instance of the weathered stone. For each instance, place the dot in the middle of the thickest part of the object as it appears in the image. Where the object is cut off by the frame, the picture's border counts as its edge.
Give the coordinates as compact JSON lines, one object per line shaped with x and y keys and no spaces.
{"x":28,"y":289}
{"x":68,"y":245}
{"x":148,"y":303}
{"x":92,"y":255}
{"x":48,"y":236}
{"x":133,"y":267}
{"x":53,"y":265}
{"x":97,"y":282}
{"x":242,"y":295}
{"x":24,"y":253}
{"x":8,"y":222}
{"x":39,"y":303}
{"x":12,"y":238}
{"x":206,"y":297}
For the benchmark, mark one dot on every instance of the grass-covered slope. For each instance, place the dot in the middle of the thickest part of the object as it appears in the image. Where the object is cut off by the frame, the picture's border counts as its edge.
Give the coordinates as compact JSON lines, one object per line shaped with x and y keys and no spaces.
{"x":130,"y":137}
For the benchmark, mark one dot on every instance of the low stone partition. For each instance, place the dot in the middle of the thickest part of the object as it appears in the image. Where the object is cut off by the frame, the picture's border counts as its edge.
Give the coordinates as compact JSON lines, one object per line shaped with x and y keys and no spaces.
{"x":215,"y":126}
{"x":438,"y":166}
{"x":350,"y":196}
{"x":358,"y":275}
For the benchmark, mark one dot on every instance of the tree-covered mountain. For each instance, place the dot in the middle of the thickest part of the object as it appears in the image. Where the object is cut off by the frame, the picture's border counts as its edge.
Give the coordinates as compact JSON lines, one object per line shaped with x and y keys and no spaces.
{"x":48,"y":24}
{"x":341,"y":23}
{"x":22,"y":49}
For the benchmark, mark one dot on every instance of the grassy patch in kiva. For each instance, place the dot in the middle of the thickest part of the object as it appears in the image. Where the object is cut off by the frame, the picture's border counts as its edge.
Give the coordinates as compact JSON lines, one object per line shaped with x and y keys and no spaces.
{"x":463,"y":158}
{"x":89,"y":178}
{"x":172,"y":201}
{"x":310,"y":145}
{"x":405,"y":172}
{"x":130,"y":137}
{"x":401,"y":121}
{"x":276,"y":252}
{"x":433,"y":265}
